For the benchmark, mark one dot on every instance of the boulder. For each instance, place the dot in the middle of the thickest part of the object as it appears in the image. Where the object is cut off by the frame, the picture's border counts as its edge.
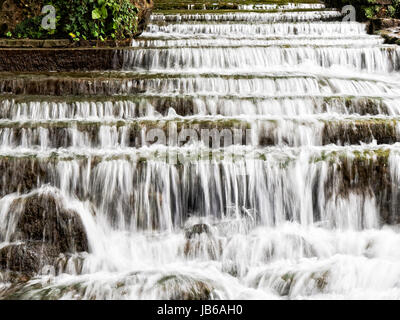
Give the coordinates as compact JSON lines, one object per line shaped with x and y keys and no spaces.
{"x":27,"y":258}
{"x":40,"y":231}
{"x":42,"y":218}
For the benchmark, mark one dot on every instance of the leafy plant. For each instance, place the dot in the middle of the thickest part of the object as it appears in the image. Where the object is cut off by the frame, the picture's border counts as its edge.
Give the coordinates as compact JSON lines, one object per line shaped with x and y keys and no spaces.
{"x":370,"y":12}
{"x":369,"y":8}
{"x":90,"y":19}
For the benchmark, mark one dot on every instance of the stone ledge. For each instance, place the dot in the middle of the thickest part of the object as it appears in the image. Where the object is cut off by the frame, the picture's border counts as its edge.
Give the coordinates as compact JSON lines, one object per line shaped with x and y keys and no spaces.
{"x":62,"y":43}
{"x":59,"y":59}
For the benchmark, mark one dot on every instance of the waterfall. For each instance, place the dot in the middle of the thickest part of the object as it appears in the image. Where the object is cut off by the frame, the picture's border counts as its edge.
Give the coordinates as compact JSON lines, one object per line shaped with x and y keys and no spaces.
{"x":249,"y":154}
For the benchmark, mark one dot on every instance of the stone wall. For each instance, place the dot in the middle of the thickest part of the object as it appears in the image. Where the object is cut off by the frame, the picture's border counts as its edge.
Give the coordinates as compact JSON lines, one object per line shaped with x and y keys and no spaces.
{"x":66,"y":59}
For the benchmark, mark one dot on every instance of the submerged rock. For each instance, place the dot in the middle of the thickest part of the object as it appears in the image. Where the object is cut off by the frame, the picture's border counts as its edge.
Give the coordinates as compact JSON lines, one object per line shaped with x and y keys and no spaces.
{"x":291,"y":283}
{"x":197,"y":229}
{"x":11,"y":277}
{"x":200,"y":242}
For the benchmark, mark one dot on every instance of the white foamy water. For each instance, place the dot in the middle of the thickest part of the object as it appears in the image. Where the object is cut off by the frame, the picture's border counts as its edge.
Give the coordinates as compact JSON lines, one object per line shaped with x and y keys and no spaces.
{"x":300,"y":204}
{"x":250,"y":16}
{"x":244,"y":30}
{"x":289,"y":6}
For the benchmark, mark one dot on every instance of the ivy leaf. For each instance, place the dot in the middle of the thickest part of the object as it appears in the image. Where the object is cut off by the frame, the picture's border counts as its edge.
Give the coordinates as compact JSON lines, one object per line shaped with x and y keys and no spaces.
{"x":96,"y":14}
{"x":104,"y":13}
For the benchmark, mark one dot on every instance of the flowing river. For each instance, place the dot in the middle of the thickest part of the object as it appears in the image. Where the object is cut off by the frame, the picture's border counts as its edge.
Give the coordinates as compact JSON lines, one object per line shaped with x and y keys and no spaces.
{"x":238,"y":155}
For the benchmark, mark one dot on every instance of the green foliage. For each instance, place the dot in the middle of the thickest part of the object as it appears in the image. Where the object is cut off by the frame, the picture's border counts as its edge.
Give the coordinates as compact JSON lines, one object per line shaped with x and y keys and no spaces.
{"x":395,"y":12}
{"x":392,"y":11}
{"x":370,"y":12}
{"x":369,"y":8}
{"x":90,"y":19}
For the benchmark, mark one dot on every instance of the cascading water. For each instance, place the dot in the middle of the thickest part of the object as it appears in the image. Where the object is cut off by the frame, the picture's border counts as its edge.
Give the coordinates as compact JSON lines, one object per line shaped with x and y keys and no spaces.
{"x":292,"y":192}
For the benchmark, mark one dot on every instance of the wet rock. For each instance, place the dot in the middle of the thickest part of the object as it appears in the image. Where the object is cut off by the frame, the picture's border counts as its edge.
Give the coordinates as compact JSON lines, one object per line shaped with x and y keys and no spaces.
{"x":30,"y":43}
{"x":388,"y":28}
{"x":145,"y":8}
{"x":62,"y":86}
{"x":41,"y":231}
{"x":286,"y":283}
{"x":27,"y":258}
{"x":355,"y":132}
{"x":9,"y":281}
{"x":21,"y":175}
{"x":42,"y":218}
{"x":234,"y":268}
{"x":197,"y":229}
{"x":391,"y":37}
{"x":33,"y":290}
{"x":184,"y":288}
{"x":14,"y":277}
{"x":201,"y":243}
{"x":365,"y":176}
{"x":12,"y":12}
{"x":63,"y":43}
{"x":69,"y":263}
{"x":60,"y":59}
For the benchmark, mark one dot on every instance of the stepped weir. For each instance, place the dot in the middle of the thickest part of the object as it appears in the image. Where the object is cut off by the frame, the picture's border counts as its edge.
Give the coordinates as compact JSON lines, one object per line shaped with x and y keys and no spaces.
{"x":248,"y":151}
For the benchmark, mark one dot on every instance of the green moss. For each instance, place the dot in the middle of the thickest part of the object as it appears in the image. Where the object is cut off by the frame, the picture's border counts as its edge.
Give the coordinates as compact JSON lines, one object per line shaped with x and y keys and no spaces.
{"x":380,"y":154}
